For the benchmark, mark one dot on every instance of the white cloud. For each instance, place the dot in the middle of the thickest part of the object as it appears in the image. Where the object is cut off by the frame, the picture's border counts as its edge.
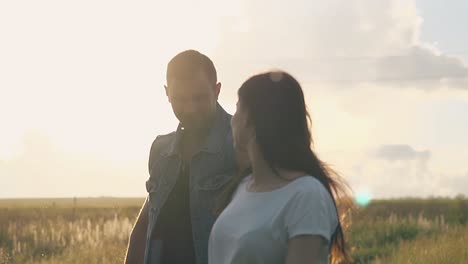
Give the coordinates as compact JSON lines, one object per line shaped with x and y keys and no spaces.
{"x":341,"y":43}
{"x":400,"y":170}
{"x":423,"y":68}
{"x":401,"y":153}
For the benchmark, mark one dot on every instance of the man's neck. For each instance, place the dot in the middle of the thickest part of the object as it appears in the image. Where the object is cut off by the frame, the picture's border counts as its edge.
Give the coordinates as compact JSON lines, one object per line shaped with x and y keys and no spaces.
{"x":192,"y":140}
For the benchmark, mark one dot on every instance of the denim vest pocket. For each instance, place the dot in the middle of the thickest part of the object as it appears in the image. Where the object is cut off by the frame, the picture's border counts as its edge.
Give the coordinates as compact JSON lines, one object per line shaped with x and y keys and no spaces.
{"x":153,"y":186}
{"x":153,"y":183}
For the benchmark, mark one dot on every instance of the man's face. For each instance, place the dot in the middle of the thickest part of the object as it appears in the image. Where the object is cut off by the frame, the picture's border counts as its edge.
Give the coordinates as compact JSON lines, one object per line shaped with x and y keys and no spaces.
{"x":193,"y":100}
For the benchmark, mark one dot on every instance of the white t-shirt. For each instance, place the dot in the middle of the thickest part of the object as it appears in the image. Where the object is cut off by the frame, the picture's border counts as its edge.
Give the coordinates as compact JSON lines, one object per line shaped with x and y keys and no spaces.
{"x":256,"y":226}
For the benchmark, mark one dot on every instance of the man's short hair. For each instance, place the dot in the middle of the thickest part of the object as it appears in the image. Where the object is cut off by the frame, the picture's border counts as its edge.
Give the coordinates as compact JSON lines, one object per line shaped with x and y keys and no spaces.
{"x":187,"y":64}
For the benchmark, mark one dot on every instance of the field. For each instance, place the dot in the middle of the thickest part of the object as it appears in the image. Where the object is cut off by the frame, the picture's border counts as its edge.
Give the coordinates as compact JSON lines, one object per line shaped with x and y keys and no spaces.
{"x":95,"y":230}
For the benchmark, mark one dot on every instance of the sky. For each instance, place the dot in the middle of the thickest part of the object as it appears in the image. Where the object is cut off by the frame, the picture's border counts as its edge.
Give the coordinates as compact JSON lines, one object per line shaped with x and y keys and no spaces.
{"x":82,"y":97}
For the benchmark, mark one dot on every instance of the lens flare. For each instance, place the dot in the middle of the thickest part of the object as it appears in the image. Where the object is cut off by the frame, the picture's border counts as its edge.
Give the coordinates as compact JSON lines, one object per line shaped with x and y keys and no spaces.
{"x":363,"y":198}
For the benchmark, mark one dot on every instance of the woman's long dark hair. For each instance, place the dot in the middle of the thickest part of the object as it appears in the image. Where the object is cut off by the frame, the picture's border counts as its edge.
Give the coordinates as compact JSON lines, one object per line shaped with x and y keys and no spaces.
{"x":277,"y":111}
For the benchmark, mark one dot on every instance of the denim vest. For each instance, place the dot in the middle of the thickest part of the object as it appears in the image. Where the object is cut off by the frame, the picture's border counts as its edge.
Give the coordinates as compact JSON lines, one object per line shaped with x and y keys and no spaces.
{"x":210,"y":169}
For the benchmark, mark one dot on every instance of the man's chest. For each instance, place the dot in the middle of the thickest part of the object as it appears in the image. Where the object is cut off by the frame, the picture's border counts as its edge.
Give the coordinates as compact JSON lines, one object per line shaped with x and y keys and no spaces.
{"x":205,"y":171}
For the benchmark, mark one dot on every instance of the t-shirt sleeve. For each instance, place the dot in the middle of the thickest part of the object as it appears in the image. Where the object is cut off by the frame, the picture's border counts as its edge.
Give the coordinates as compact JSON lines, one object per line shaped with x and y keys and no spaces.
{"x":311,"y":212}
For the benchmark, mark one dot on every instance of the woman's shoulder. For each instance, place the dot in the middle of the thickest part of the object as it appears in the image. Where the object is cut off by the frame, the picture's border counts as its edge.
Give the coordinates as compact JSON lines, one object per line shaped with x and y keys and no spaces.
{"x":245,"y":179}
{"x":241,"y":185}
{"x":309,"y":188}
{"x":307,"y":183}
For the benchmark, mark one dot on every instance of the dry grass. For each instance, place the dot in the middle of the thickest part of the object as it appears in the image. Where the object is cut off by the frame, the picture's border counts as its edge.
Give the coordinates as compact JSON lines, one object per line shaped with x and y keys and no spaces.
{"x":65,"y":235}
{"x":96,"y":231}
{"x":446,"y":247}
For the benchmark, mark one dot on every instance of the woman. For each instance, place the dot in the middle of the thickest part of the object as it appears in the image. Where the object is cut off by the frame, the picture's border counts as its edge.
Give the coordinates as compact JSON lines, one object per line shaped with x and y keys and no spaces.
{"x":283,"y":209}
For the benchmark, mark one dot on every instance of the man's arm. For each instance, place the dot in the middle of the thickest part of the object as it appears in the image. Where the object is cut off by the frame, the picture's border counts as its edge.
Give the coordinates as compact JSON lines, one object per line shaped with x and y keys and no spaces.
{"x":137,"y":242}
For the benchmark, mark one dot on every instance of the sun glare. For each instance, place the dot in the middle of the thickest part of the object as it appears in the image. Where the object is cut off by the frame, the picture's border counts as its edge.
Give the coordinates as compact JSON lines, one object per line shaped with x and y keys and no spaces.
{"x":363,"y":198}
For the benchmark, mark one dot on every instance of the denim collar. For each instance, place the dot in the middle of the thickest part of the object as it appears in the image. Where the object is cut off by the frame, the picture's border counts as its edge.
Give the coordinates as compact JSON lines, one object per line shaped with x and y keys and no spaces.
{"x":215,"y":139}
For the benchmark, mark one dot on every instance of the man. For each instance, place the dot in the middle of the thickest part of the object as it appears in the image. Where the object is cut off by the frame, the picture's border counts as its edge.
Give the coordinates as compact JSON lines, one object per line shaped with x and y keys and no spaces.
{"x":188,"y":169}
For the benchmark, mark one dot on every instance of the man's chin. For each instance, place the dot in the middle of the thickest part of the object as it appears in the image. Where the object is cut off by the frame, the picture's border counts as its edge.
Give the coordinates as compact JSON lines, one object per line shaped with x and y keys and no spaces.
{"x":193,"y":126}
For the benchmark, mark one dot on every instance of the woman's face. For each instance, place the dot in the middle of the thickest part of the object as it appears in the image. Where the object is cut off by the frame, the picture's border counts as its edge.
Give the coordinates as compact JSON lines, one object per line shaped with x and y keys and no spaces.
{"x":240,"y":129}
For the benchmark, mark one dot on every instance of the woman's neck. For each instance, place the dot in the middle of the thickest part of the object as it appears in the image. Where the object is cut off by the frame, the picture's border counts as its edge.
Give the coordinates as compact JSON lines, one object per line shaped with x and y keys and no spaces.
{"x":262,"y":172}
{"x":264,"y":177}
